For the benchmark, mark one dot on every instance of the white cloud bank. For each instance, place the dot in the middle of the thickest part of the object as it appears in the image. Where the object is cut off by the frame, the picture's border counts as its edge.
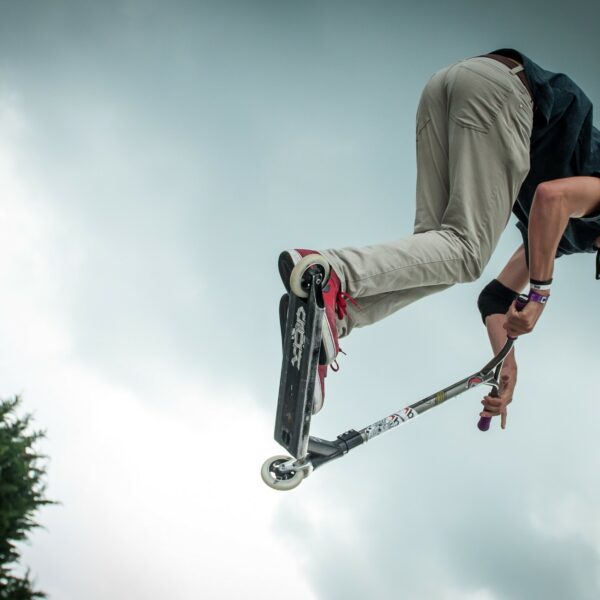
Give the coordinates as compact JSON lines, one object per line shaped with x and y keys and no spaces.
{"x":160,"y":493}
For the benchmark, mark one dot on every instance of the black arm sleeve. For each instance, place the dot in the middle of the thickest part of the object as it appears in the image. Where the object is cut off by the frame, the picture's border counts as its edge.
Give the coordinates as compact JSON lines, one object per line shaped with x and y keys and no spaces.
{"x":495,"y":298}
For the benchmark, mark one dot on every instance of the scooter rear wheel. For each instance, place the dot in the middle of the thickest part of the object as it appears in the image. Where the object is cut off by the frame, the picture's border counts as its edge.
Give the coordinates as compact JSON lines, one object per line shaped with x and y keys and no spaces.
{"x":277,"y":480}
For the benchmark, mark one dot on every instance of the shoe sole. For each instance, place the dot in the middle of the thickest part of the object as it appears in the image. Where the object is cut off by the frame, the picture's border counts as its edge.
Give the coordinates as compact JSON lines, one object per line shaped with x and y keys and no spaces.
{"x":286,"y":262}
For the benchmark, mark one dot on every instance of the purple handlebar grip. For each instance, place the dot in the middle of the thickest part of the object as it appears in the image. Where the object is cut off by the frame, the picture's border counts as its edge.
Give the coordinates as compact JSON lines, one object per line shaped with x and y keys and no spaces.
{"x":484,"y":423}
{"x":521,"y":301}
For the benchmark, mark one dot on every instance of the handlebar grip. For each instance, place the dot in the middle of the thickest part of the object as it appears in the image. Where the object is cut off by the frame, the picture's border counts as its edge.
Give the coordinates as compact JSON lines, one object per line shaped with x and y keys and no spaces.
{"x":522,"y":301}
{"x":485,"y":422}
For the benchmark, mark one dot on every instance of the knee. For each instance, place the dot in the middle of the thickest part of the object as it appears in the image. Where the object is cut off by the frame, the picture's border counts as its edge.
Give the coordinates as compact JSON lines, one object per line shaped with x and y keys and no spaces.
{"x":473,"y":262}
{"x":471,"y":254}
{"x":473,"y":268}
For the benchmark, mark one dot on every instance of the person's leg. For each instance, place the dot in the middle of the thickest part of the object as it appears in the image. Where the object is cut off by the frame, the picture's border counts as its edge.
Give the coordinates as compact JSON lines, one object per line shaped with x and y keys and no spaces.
{"x":371,"y":309}
{"x":433,"y":185}
{"x":489,"y":124}
{"x":431,"y":199}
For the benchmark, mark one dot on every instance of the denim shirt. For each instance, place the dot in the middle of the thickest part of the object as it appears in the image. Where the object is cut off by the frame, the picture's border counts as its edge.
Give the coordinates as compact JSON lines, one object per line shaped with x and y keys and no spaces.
{"x":564,"y":143}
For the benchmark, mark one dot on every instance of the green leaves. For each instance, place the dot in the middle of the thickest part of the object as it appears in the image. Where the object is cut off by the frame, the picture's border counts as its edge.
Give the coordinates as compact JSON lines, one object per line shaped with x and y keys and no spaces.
{"x":22,"y":492}
{"x":15,"y":588}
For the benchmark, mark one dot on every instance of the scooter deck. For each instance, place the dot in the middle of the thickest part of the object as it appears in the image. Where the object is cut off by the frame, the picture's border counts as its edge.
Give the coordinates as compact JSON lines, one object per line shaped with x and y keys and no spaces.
{"x":301,"y":348}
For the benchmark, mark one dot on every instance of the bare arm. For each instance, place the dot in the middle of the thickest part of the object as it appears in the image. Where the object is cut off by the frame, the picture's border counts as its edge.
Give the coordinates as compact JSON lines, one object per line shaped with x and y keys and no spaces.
{"x":515,"y":276}
{"x":554,"y":203}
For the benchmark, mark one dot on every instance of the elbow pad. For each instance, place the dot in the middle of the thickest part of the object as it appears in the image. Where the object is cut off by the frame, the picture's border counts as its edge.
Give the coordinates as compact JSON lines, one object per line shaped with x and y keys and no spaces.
{"x":495,"y":298}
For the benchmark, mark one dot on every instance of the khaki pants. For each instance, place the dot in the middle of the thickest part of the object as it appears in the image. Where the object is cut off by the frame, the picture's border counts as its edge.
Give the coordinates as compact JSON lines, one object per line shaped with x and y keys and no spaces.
{"x":473,"y":130}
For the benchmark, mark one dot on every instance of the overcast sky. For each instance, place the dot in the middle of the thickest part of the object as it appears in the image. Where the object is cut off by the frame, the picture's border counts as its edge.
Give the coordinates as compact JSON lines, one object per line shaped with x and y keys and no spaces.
{"x":154,"y":160}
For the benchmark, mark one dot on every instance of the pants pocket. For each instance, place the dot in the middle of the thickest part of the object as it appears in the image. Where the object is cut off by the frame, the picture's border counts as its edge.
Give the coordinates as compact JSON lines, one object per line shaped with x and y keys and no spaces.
{"x":476,"y":97}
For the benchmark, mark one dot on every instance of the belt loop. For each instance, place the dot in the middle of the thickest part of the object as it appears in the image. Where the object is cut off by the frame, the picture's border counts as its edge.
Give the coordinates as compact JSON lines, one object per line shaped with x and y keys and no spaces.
{"x":517,"y":69}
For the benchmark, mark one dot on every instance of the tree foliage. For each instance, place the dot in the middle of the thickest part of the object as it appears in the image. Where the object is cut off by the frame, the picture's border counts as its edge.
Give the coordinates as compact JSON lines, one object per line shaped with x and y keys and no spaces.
{"x":22,"y":492}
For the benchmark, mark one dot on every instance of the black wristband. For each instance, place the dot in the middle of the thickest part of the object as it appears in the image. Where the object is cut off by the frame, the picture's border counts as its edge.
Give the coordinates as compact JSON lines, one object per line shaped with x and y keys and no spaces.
{"x":540,"y":282}
{"x":495,"y":298}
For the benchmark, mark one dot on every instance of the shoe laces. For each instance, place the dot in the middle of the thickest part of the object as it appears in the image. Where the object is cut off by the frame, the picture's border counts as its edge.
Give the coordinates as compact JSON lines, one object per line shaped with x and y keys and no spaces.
{"x":334,"y":366}
{"x":341,"y":309}
{"x":341,"y":304}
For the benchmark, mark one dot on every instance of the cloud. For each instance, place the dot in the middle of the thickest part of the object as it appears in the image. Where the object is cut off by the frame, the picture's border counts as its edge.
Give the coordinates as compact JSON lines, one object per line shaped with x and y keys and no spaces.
{"x":160,"y":490}
{"x":167,"y":156}
{"x":158,"y":499}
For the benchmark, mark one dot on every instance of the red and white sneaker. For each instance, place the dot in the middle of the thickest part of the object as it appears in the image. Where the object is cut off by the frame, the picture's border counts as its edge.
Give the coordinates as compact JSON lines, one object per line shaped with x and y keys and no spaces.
{"x":335,"y":301}
{"x":334,"y":298}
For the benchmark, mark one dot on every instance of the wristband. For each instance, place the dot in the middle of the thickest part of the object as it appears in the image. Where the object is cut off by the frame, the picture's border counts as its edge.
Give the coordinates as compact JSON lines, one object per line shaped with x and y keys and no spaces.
{"x":539,"y":298}
{"x":539,"y":288}
{"x":542,"y":286}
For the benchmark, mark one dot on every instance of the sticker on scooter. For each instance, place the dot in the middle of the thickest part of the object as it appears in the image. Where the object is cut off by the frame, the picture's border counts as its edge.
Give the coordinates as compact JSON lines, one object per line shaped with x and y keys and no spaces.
{"x":474,"y":381}
{"x":298,"y":337}
{"x":406,"y":414}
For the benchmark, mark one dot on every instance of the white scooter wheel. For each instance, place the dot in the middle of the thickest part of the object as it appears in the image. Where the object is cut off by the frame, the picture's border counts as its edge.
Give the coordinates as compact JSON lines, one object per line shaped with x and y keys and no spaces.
{"x":280,"y":481}
{"x":300,"y":269}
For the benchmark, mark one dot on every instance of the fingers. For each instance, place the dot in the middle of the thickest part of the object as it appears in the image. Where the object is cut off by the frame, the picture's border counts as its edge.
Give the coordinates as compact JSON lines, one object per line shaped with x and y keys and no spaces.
{"x":521,"y":322}
{"x":488,"y":414}
{"x":492,"y":404}
{"x":512,"y":322}
{"x":515,"y":324}
{"x":492,"y":412}
{"x":489,"y":411}
{"x":496,"y":405}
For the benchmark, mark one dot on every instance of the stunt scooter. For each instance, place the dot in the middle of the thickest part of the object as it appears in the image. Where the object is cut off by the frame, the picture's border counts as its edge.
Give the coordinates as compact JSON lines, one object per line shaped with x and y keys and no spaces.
{"x":301,"y":330}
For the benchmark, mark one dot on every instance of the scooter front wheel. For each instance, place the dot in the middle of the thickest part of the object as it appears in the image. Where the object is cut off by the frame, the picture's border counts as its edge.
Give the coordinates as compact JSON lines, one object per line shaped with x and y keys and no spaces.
{"x":277,"y":480}
{"x":298,"y":277}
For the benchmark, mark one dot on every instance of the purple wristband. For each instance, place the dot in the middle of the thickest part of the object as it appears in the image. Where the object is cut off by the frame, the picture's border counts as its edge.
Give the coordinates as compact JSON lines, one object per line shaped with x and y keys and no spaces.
{"x":535,"y":297}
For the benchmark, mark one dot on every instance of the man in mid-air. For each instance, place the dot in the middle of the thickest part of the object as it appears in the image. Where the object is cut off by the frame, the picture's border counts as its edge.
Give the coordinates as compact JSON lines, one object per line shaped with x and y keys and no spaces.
{"x":495,"y":134}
